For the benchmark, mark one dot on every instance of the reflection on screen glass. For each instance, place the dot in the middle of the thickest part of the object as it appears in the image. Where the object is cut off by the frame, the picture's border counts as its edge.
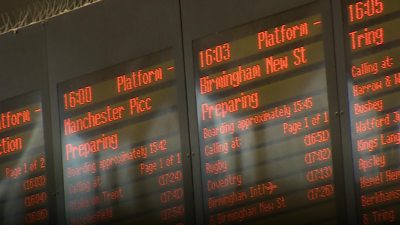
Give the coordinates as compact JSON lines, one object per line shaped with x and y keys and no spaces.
{"x":23,"y":184}
{"x":121,"y":144}
{"x":263,"y":117}
{"x":373,"y":48}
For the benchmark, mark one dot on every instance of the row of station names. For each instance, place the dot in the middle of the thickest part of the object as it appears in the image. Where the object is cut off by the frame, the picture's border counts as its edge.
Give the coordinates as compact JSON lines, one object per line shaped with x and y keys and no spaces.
{"x":373,"y":90}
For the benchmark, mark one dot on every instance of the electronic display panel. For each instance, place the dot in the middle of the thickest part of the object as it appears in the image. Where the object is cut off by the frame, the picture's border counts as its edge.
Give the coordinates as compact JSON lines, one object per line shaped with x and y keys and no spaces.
{"x":373,"y":78}
{"x":24,"y":181}
{"x":264,"y":122}
{"x":121,"y":144}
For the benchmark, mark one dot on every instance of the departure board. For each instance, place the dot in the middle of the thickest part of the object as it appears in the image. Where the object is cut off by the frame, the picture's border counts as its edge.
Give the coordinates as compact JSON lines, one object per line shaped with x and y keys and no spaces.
{"x":121,"y":144}
{"x":263,"y":120}
{"x":373,"y":51}
{"x":24,"y":182}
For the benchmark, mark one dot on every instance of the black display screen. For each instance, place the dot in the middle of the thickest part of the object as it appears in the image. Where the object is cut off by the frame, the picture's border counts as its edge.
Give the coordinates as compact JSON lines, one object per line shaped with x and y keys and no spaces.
{"x":121,"y":144}
{"x":24,"y":193}
{"x":373,"y":73}
{"x":263,"y":120}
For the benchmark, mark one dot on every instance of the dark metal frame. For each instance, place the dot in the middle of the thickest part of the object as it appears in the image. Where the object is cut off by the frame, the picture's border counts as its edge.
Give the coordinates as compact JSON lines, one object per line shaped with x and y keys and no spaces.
{"x":339,"y":158}
{"x":30,"y":76}
{"x":67,"y":32}
{"x":59,"y":59}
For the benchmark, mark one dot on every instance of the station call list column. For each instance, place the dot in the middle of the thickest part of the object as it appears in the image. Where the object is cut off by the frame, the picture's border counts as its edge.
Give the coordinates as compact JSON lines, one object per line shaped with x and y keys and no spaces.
{"x":373,"y":73}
